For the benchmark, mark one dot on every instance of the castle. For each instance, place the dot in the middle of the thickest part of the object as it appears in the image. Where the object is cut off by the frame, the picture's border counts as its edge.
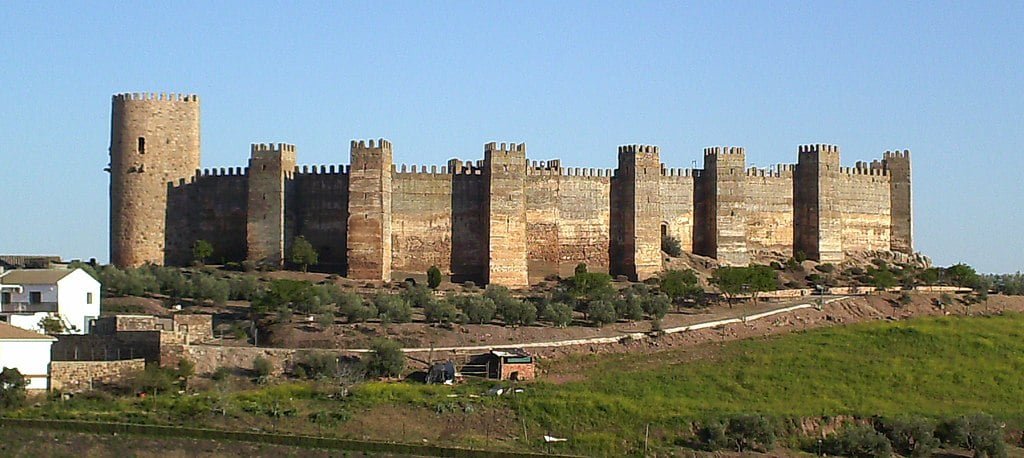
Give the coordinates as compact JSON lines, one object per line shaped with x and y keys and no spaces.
{"x":503,"y":220}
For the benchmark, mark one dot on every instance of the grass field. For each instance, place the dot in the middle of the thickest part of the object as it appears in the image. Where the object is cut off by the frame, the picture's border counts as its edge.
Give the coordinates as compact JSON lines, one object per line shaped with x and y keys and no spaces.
{"x":933,"y":367}
{"x":930,"y":366}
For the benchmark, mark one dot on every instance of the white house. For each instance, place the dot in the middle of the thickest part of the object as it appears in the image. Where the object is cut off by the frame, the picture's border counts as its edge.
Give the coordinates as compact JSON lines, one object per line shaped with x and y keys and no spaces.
{"x":28,"y":352}
{"x":27,"y":296}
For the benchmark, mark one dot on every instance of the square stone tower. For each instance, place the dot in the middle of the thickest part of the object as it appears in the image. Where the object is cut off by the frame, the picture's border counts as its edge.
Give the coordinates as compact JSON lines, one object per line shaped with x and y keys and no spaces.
{"x":505,"y":168}
{"x":817,"y":220}
{"x":369,"y":209}
{"x":270,"y":168}
{"x":636,"y":191}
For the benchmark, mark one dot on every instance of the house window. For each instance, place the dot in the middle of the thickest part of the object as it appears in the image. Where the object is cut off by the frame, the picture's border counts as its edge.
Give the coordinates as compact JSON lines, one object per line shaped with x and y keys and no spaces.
{"x":88,"y":298}
{"x":142,"y":145}
{"x":35,"y":297}
{"x":5,"y":298}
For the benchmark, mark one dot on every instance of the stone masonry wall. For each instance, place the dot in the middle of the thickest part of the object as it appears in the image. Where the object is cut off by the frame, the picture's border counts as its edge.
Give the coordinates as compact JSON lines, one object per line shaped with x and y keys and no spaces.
{"x":543,"y":210}
{"x":421,"y":220}
{"x":318,"y":211}
{"x":211,"y":206}
{"x":584,"y":220}
{"x":270,"y":168}
{"x":72,"y":376}
{"x":677,"y":206}
{"x":769,"y":210}
{"x":864,"y":200}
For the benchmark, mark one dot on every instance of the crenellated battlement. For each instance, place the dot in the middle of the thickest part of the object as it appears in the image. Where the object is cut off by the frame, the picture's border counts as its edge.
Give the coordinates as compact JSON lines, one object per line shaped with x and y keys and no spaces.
{"x":505,"y":148}
{"x":897,"y":154}
{"x":586,"y":172}
{"x":724,"y":150}
{"x":154,"y":97}
{"x":819,"y":148}
{"x":222,"y":172}
{"x":321,"y":169}
{"x":639,"y":149}
{"x":776,"y":171}
{"x":371,"y":144}
{"x":271,"y":148}
{"x":676,"y":172}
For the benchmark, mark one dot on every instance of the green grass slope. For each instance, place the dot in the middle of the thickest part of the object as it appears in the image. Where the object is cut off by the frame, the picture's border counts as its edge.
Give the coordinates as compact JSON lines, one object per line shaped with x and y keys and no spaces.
{"x":930,"y":366}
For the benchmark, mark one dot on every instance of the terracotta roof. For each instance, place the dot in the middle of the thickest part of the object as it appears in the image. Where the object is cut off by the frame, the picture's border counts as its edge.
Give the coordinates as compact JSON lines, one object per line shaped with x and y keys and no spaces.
{"x":8,"y":332}
{"x":34,"y":276}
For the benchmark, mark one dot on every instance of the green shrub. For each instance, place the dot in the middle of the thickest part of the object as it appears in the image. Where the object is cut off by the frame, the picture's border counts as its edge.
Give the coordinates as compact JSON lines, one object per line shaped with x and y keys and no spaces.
{"x":13,"y":387}
{"x":303,"y":253}
{"x":826,"y":268}
{"x":740,"y":433}
{"x":517,"y":312}
{"x":476,"y":309}
{"x":433,"y":277}
{"x":154,"y":379}
{"x":443,"y":311}
{"x":386,"y":359}
{"x":909,"y":436}
{"x":318,"y":364}
{"x":985,"y":436}
{"x":262,"y":366}
{"x":392,"y":308}
{"x":629,"y":308}
{"x":861,"y":441}
{"x":355,"y":309}
{"x":418,"y":296}
{"x":670,"y":245}
{"x":559,"y":314}
{"x":209,"y":288}
{"x":601,"y":313}
{"x":220,"y":374}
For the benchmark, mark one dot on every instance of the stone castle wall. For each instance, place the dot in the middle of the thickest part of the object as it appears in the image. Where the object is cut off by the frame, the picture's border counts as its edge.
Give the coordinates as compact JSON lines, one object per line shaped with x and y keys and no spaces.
{"x":505,"y":219}
{"x":73,"y":376}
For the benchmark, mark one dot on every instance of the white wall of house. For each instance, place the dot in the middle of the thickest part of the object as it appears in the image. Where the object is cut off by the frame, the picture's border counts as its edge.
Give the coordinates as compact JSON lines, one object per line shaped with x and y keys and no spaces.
{"x":77,"y":296}
{"x":78,"y":299}
{"x":31,"y":357}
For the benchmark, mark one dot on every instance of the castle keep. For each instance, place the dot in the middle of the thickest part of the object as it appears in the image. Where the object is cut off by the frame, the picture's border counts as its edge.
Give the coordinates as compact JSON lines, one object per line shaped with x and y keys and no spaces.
{"x":503,"y":219}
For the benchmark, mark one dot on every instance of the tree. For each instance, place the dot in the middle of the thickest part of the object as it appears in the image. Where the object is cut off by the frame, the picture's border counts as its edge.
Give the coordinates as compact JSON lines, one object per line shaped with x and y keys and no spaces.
{"x":154,"y":379}
{"x":476,"y":309}
{"x":392,"y":308}
{"x":740,"y":433}
{"x":386,"y":359}
{"x":517,"y":312}
{"x":761,"y":279}
{"x":963,"y":275}
{"x":13,"y":387}
{"x":858,"y":441}
{"x":52,"y":325}
{"x":201,"y":250}
{"x":985,"y":436}
{"x":263,"y":368}
{"x":882,"y":278}
{"x":433,"y":277}
{"x":670,"y":245}
{"x":731,"y":281}
{"x":186,"y":369}
{"x":656,"y":306}
{"x":909,"y":436}
{"x":601,"y":313}
{"x":325,"y":320}
{"x":355,"y":309}
{"x":559,"y":314}
{"x":443,"y":311}
{"x":303,"y":253}
{"x":207,"y":287}
{"x":581,"y":268}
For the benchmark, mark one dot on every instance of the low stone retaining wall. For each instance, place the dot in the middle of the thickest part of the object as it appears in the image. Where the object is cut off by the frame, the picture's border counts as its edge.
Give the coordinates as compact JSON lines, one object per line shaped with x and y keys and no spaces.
{"x":208,"y":358}
{"x":82,"y":375}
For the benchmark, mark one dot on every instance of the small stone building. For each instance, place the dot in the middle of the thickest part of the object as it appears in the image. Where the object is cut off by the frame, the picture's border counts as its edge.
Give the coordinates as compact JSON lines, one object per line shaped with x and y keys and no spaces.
{"x":513,"y":365}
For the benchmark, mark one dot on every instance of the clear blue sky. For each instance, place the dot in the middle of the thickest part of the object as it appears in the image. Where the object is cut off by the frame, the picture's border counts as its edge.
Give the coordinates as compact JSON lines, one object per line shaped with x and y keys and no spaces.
{"x":572,"y":80}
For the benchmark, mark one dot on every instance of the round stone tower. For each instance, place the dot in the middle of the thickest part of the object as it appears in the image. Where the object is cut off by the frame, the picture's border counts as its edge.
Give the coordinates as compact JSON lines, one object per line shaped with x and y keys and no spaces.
{"x":154,"y":140}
